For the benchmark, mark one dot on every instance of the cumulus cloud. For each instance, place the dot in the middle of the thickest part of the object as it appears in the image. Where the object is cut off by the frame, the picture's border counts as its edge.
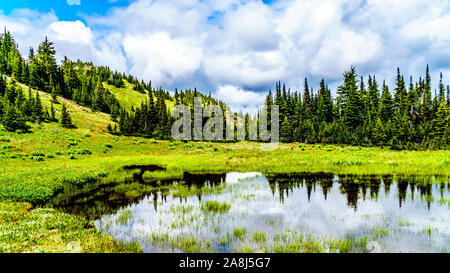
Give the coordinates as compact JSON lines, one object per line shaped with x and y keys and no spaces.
{"x":238,"y":49}
{"x":239,"y":99}
{"x":73,"y":32}
{"x":162,"y":58}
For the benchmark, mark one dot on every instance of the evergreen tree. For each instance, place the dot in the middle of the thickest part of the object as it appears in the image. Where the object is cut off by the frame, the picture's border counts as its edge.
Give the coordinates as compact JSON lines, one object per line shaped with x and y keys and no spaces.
{"x":386,"y":105}
{"x":12,"y":120}
{"x":352,"y":112}
{"x":286,"y":131}
{"x":374,"y":96}
{"x":2,"y":85}
{"x":46,"y":64}
{"x":52,"y":113}
{"x":38,"y":110}
{"x":66,"y":120}
{"x":441,"y":122}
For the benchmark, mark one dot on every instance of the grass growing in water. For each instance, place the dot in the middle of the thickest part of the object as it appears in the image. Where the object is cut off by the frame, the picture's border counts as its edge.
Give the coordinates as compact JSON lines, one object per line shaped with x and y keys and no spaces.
{"x":215,"y":207}
{"x":239,"y":233}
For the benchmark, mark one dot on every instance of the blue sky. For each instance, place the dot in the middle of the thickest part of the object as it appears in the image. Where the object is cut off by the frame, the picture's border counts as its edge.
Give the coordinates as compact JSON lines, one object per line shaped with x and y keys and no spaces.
{"x":65,"y":9}
{"x":238,"y":49}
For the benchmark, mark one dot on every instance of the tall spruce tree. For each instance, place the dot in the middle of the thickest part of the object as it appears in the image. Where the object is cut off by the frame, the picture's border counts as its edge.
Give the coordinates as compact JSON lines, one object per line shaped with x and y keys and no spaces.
{"x":386,"y":105}
{"x":66,"y":120}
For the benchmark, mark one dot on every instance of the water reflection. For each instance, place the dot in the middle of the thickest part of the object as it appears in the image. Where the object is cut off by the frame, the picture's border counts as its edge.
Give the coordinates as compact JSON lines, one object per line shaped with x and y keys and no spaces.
{"x":354,"y":187}
{"x":108,"y":197}
{"x":403,"y":213}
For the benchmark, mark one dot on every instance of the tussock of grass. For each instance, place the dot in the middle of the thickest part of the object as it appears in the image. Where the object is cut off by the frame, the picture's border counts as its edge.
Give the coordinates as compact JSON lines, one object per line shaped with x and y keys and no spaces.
{"x":215,"y":207}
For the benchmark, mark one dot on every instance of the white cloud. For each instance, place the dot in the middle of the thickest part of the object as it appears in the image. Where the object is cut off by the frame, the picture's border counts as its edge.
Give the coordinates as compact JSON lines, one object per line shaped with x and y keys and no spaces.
{"x":342,"y":49}
{"x":73,"y":32}
{"x":236,"y":46}
{"x":250,"y":28}
{"x":162,"y":58}
{"x":239,"y":99}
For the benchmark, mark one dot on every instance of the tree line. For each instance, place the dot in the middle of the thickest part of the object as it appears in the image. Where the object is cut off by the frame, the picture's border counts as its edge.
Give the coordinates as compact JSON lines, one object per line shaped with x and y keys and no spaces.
{"x":363,"y":112}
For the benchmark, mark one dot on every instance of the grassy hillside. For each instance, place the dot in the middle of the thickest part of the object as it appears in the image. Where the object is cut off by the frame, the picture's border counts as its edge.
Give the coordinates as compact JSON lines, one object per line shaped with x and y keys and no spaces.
{"x":128,"y":97}
{"x":83,"y":117}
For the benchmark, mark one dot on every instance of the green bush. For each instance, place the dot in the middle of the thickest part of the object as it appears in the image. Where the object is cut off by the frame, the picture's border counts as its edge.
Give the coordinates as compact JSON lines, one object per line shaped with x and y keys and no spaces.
{"x":83,"y":152}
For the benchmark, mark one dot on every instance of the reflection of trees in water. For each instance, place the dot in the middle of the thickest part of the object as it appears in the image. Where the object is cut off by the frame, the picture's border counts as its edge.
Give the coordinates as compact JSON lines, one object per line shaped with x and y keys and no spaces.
{"x":354,"y":187}
{"x":98,"y":199}
{"x":286,"y":183}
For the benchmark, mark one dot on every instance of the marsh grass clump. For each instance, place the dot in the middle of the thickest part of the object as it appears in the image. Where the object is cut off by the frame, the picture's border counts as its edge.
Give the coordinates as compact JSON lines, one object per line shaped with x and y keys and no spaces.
{"x":215,"y":207}
{"x":259,"y":236}
{"x":429,"y":230}
{"x":239,"y":233}
{"x":379,"y":232}
{"x":125,"y":216}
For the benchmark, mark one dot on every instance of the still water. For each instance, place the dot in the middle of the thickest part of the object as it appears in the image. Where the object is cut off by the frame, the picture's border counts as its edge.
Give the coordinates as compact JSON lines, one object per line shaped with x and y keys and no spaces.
{"x":271,"y":213}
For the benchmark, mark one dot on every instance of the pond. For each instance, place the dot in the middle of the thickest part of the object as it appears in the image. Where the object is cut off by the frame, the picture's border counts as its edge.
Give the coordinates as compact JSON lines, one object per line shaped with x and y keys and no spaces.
{"x":255,"y":212}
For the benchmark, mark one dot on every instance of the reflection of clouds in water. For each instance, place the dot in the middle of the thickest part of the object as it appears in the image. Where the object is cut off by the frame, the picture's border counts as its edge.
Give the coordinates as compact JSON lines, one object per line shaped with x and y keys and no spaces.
{"x":233,"y":178}
{"x":257,"y":206}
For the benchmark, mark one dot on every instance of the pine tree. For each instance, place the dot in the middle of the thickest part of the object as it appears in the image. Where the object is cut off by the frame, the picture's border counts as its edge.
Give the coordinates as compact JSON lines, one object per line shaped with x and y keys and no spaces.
{"x":2,"y":85}
{"x":441,"y":89}
{"x":38,"y":110}
{"x":400,"y":97}
{"x":378,"y":136}
{"x":352,"y":108}
{"x":441,"y":122}
{"x":307,"y":113}
{"x":286,"y":131}
{"x":54,"y":95}
{"x":325,"y":103}
{"x":46,"y":64}
{"x":52,"y":113}
{"x":66,"y":120}
{"x":12,"y":120}
{"x":374,"y":97}
{"x":386,"y":104}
